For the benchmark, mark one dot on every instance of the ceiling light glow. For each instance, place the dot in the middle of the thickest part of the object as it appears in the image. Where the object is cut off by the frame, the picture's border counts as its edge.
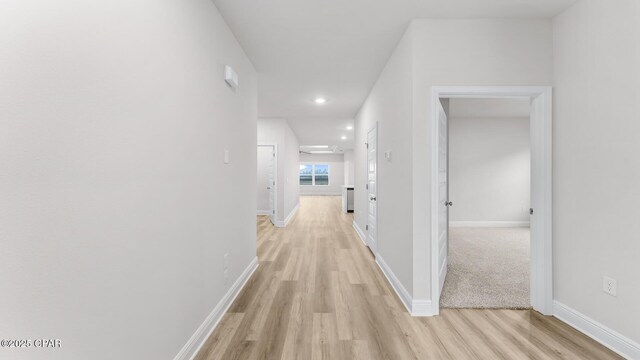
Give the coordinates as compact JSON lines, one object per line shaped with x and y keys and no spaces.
{"x":344,"y":138}
{"x":349,"y":127}
{"x":320,"y":101}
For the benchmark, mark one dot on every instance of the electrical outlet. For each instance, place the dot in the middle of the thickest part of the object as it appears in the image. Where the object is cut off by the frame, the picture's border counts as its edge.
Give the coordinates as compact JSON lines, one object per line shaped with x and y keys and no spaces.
{"x":610,"y":286}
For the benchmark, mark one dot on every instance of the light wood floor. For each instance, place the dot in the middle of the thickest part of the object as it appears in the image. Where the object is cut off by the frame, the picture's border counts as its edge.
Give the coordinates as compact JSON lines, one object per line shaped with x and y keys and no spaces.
{"x":318,"y":294}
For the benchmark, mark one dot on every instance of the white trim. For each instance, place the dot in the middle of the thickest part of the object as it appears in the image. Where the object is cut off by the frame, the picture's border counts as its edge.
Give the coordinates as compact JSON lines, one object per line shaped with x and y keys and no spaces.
{"x":489,"y":224}
{"x":541,"y":185}
{"x":414,"y":307}
{"x":289,"y":217}
{"x":615,"y":341}
{"x":265,"y":212}
{"x":402,"y":293}
{"x":360,"y":233}
{"x":203,"y":332}
{"x":421,"y":308}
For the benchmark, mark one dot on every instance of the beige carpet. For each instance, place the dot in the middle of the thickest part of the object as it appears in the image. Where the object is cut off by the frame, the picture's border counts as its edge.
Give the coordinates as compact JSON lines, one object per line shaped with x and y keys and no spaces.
{"x":488,"y":268}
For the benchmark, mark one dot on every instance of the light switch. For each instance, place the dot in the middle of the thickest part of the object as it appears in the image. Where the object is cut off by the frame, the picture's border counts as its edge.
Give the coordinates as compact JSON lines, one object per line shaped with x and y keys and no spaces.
{"x":226,"y":156}
{"x":387,"y":155}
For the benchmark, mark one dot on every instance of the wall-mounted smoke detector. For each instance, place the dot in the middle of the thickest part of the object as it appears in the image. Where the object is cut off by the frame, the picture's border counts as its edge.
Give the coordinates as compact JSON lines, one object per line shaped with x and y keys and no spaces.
{"x":230,"y":77}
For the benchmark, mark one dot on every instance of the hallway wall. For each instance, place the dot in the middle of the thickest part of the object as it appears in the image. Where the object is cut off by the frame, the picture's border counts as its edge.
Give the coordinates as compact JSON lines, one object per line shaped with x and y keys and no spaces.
{"x":278,"y":131}
{"x":433,"y":52}
{"x":116,"y":208}
{"x":389,"y":106}
{"x":349,"y":167}
{"x":596,"y":172}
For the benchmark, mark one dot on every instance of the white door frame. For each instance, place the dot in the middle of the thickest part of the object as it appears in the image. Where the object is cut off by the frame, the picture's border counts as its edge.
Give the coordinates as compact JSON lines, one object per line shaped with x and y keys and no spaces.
{"x":274,"y":218}
{"x":541,"y":185}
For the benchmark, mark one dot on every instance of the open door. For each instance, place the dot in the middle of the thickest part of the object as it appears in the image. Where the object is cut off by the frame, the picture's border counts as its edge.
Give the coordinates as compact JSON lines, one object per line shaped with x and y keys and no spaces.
{"x":267,"y":181}
{"x":443,"y":194}
{"x":372,"y":190}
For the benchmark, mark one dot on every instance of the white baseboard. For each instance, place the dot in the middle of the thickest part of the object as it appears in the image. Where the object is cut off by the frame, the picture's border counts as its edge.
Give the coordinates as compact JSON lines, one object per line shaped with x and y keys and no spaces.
{"x":415,"y":307}
{"x":264,"y":212}
{"x":421,"y":308}
{"x":483,"y":224}
{"x":615,"y":341}
{"x":360,"y":233}
{"x":203,"y":332}
{"x":289,"y":217}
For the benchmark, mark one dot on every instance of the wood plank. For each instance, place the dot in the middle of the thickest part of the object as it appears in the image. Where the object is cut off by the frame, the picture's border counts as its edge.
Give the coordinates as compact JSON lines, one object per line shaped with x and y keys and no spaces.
{"x":318,"y":294}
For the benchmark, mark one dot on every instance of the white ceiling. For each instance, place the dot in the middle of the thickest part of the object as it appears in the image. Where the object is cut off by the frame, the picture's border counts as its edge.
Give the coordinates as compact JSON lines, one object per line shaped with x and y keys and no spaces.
{"x":337,"y":48}
{"x":323,"y":132}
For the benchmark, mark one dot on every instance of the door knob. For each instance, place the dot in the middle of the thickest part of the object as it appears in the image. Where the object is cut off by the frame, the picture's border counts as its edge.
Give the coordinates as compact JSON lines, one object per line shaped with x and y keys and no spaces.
{"x":373,"y":198}
{"x":268,"y":187}
{"x":448,"y":203}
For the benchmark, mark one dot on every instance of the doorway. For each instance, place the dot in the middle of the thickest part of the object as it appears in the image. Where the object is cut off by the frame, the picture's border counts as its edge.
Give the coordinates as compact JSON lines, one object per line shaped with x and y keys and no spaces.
{"x":266,"y":184}
{"x":488,"y":243}
{"x":372,"y":189}
{"x":541,"y":297}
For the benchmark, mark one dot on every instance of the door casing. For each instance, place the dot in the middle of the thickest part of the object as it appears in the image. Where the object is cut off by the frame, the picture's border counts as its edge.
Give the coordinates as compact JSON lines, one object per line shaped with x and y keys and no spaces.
{"x":274,"y":214}
{"x":541,"y":185}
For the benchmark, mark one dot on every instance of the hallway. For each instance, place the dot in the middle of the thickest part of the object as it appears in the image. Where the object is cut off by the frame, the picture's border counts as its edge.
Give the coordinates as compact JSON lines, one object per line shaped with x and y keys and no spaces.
{"x":318,"y":294}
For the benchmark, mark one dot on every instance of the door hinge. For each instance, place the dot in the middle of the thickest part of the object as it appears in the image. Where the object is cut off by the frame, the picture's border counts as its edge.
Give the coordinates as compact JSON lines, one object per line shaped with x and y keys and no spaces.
{"x":367,"y":186}
{"x":274,"y":183}
{"x":366,"y":227}
{"x":273,"y":211}
{"x":274,"y":154}
{"x":530,"y":211}
{"x":367,"y":145}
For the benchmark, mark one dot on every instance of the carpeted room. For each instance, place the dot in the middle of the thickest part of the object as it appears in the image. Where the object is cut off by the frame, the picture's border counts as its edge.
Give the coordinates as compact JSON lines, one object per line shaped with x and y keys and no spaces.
{"x":489,"y":186}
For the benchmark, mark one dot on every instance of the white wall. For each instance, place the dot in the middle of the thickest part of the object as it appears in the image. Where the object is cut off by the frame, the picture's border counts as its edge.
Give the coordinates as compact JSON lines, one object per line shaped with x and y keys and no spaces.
{"x":434,"y":52}
{"x":390,"y":106}
{"x":336,"y":174}
{"x":278,"y":132}
{"x":291,"y":171}
{"x":466,"y":52}
{"x":115,"y":205}
{"x":489,"y":161}
{"x":349,"y":167}
{"x":596,"y":172}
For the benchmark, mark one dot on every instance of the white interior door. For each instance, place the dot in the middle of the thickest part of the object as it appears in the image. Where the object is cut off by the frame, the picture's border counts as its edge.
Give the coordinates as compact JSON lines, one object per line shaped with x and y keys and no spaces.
{"x":372,"y":189}
{"x":266,"y":181}
{"x":443,"y":194}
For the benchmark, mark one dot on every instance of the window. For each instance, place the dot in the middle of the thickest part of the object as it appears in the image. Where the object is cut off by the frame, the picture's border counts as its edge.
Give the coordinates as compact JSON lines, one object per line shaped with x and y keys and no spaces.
{"x":306,"y":174}
{"x":314,"y":174}
{"x":321,"y":175}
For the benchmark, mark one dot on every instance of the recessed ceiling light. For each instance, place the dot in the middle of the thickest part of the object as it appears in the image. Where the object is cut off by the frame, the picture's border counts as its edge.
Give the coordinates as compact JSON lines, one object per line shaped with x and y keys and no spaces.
{"x":344,"y":138}
{"x":320,"y":101}
{"x":349,"y":127}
